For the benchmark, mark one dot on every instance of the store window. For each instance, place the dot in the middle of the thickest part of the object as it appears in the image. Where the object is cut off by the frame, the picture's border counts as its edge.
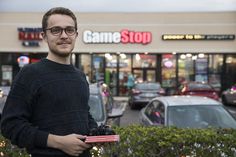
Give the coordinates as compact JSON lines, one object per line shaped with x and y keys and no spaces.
{"x":201,"y":65}
{"x":186,"y":68}
{"x":215,"y":68}
{"x":168,"y":70}
{"x":86,"y":66}
{"x":193,"y":67}
{"x":6,"y":75}
{"x":124,"y":72}
{"x":111,"y":72}
{"x":144,"y":67}
{"x":230,"y":73}
{"x":144,"y":61}
{"x":98,"y":66}
{"x":10,"y":66}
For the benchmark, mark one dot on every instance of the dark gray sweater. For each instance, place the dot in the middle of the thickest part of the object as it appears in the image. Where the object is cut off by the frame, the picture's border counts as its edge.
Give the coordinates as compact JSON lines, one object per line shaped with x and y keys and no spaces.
{"x":46,"y":97}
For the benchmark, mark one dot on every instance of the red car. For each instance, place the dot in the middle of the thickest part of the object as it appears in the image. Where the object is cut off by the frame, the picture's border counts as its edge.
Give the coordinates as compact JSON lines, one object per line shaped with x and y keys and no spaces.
{"x":229,"y":96}
{"x":198,"y":89}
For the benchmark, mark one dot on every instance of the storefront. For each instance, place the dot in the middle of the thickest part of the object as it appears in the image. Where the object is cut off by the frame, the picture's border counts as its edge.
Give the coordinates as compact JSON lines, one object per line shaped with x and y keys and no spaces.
{"x":169,"y":69}
{"x":166,"y":47}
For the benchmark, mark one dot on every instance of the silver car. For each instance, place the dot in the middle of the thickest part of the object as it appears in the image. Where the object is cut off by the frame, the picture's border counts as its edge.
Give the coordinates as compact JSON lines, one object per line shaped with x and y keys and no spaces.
{"x":143,"y":92}
{"x":186,"y":112}
{"x":103,"y":108}
{"x":4,"y":90}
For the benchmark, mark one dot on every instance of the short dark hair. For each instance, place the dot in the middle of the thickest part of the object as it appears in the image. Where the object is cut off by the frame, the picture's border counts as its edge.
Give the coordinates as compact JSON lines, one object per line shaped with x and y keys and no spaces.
{"x":57,"y":10}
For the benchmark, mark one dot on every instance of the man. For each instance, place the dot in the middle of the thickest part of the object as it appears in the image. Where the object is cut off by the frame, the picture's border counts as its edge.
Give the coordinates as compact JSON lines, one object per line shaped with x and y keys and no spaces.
{"x":47,"y":108}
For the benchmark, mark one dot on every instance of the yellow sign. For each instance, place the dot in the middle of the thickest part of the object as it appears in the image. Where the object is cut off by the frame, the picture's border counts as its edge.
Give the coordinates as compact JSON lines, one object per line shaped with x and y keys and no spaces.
{"x":198,"y":37}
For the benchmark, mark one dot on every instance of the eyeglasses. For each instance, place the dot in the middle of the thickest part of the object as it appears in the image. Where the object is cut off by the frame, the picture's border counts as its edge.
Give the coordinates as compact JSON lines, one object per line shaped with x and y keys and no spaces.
{"x":57,"y":31}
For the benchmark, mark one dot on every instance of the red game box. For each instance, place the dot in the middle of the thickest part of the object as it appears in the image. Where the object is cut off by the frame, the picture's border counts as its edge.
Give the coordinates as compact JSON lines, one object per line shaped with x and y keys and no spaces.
{"x":102,"y":139}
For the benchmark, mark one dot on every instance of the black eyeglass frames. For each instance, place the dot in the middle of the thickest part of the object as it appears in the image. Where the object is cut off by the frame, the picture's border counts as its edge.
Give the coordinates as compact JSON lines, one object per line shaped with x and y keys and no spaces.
{"x":58,"y":30}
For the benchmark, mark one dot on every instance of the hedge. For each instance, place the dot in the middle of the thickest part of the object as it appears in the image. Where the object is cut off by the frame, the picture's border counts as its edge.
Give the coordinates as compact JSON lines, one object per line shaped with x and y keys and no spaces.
{"x":141,"y":141}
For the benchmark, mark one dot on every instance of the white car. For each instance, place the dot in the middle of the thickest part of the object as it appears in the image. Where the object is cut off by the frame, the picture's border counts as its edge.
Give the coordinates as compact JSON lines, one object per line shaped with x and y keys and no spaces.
{"x":186,"y":112}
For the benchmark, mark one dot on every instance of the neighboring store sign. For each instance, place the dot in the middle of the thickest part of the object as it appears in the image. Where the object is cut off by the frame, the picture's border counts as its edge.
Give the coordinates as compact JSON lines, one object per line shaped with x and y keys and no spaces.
{"x":30,"y":37}
{"x":198,"y":37}
{"x":124,"y":36}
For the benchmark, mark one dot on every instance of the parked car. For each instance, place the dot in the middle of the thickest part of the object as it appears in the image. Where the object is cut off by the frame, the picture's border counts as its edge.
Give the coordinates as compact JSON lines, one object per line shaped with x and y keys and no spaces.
{"x":102,"y":105}
{"x":143,"y":92}
{"x":186,"y":112}
{"x":4,"y":90}
{"x":198,"y":89}
{"x":101,"y":102}
{"x":229,"y":96}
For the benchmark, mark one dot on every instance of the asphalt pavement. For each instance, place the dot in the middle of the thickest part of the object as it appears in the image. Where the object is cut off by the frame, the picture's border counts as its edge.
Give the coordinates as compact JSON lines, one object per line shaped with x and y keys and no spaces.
{"x":130,"y":116}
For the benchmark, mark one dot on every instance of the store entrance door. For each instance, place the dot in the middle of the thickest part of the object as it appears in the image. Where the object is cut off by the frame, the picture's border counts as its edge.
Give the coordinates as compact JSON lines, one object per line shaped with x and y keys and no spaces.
{"x":144,"y":74}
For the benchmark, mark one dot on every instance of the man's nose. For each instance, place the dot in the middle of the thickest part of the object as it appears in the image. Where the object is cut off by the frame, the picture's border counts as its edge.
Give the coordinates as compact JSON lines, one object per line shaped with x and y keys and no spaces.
{"x":63,"y":34}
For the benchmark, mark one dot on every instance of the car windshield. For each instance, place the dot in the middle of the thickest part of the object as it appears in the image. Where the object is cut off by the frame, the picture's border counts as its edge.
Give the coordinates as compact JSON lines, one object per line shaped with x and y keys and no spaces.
{"x":200,"y":116}
{"x":96,"y":108}
{"x":148,"y":86}
{"x":5,"y":89}
{"x":199,"y":86}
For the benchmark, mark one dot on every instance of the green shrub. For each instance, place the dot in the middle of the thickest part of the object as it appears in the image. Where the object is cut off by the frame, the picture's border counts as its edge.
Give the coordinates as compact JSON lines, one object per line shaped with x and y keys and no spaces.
{"x":9,"y":150}
{"x":140,"y":141}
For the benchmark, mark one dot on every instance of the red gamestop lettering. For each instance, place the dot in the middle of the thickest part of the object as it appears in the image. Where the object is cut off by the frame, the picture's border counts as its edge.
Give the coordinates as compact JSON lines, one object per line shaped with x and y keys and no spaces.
{"x":124,"y":36}
{"x":135,"y":37}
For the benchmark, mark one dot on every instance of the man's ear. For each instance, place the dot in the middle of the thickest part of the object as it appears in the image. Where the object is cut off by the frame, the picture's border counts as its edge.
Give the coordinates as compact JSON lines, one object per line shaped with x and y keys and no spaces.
{"x":43,"y":35}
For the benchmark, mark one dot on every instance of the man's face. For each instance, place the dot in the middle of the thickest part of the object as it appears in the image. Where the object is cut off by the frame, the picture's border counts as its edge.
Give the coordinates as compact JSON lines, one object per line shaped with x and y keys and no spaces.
{"x":60,"y":43}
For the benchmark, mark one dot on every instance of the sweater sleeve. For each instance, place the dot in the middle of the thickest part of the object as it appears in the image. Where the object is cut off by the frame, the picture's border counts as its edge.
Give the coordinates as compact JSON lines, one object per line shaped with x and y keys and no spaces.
{"x":16,"y":116}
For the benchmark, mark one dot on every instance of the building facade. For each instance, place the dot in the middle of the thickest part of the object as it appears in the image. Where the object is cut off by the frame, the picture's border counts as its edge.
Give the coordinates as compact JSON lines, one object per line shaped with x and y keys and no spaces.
{"x":165,"y":47}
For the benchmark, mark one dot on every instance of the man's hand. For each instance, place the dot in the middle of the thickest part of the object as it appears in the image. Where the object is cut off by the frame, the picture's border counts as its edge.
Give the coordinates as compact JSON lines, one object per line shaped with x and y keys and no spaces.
{"x":71,"y":144}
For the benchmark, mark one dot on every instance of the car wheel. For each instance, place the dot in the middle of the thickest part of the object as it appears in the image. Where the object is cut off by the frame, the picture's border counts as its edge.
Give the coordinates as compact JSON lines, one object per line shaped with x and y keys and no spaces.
{"x":129,"y":102}
{"x":132,"y":106}
{"x":224,"y":101}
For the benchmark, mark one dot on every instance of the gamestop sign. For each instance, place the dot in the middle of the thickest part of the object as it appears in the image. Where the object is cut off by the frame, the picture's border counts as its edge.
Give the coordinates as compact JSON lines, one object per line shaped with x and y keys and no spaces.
{"x":124,"y":36}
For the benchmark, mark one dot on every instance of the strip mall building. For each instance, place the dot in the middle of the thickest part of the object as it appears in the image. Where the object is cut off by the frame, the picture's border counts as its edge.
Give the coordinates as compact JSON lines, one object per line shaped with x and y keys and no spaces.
{"x":166,"y":47}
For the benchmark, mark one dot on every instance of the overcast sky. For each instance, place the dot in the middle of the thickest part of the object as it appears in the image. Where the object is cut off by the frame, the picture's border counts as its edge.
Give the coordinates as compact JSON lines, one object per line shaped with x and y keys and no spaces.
{"x":119,"y":5}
